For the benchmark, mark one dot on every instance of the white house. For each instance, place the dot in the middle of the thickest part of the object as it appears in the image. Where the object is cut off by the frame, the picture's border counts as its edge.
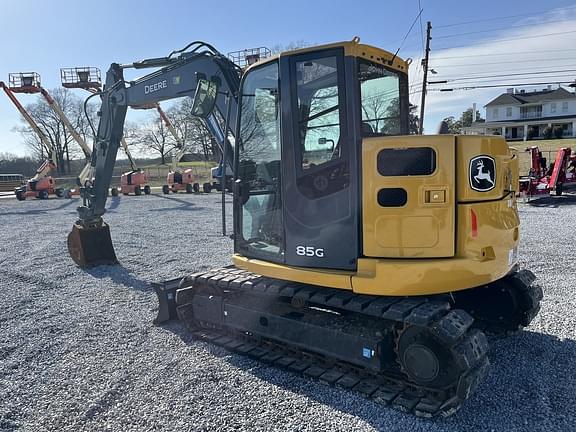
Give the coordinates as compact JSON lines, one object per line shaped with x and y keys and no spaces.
{"x":514,"y":113}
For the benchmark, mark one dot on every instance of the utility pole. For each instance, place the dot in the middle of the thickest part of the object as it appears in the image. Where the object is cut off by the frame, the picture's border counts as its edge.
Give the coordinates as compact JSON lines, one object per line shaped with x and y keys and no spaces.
{"x":425,"y":82}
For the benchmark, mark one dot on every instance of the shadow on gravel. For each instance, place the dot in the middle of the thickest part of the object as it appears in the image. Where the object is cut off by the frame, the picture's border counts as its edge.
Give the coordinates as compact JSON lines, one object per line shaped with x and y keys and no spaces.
{"x":114,"y":203}
{"x":67,"y":203}
{"x":184,"y":205}
{"x":553,"y":201}
{"x":529,"y":387}
{"x":119,"y":275}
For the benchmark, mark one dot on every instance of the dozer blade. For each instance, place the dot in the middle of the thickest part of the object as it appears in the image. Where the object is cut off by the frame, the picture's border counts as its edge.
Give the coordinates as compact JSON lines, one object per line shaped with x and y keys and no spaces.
{"x":166,"y":293}
{"x":91,"y":246}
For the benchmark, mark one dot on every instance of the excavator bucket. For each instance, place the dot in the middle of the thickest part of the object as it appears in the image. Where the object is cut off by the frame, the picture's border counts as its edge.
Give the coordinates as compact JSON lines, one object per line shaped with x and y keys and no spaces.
{"x":91,"y":246}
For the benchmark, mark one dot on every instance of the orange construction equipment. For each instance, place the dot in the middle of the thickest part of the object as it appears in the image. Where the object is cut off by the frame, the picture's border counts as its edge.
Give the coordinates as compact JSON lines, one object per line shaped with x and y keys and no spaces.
{"x":42,"y":185}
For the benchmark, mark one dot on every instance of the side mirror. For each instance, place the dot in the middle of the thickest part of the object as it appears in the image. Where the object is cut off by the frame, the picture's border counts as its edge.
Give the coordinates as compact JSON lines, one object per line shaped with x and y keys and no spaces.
{"x":241,"y":192}
{"x":204,"y":98}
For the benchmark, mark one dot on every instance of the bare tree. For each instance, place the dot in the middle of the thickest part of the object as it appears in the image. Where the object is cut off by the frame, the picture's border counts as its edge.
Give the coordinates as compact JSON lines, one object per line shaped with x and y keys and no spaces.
{"x":192,"y":130}
{"x":154,"y":137}
{"x":58,"y":135}
{"x":278,"y":48}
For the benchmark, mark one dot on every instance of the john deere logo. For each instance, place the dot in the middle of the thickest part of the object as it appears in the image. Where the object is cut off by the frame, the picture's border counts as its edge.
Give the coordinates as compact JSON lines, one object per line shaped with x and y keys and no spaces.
{"x":482,"y":173}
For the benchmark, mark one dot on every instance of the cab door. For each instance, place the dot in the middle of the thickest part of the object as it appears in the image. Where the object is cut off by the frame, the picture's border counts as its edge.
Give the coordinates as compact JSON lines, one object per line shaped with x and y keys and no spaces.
{"x":319,"y":165}
{"x":408,"y":196}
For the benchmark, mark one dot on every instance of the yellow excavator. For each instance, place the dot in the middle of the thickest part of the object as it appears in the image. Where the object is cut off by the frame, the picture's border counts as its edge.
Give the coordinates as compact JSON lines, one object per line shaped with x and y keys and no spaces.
{"x":363,"y":257}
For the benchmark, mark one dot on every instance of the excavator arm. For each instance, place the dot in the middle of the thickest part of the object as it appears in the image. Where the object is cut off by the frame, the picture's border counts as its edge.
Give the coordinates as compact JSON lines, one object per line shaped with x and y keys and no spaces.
{"x":89,"y":243}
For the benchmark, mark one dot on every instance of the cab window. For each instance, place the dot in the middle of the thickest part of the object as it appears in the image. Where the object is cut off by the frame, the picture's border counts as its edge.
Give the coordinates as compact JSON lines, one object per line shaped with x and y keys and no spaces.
{"x":318,"y":111}
{"x":380,"y":99}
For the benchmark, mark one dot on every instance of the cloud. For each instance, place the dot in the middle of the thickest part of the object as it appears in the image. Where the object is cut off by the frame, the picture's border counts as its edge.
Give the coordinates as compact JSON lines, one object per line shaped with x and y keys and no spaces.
{"x":543,"y":43}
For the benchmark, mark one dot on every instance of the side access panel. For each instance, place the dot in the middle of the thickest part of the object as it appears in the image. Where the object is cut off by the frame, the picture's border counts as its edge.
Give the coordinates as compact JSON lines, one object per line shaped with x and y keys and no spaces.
{"x":408,"y":196}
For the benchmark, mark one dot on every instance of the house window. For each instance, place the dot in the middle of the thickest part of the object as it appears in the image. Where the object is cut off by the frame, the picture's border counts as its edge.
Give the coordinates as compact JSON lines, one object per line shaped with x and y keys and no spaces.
{"x":565,"y":106}
{"x":509,"y":112}
{"x":495,"y":112}
{"x":553,"y":107}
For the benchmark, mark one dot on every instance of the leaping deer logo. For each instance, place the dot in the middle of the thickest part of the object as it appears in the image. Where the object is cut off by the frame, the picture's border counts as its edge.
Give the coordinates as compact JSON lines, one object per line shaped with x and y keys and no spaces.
{"x":483,"y":175}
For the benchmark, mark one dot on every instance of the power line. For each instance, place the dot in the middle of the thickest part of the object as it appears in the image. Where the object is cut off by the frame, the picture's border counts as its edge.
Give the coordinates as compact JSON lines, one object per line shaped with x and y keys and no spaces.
{"x":510,"y":75}
{"x":501,"y":80}
{"x":500,"y":18}
{"x":510,"y":39}
{"x":504,"y":54}
{"x":499,"y":85}
{"x":421,"y":28}
{"x":497,"y":29}
{"x":512,"y":72}
{"x":503,"y":62}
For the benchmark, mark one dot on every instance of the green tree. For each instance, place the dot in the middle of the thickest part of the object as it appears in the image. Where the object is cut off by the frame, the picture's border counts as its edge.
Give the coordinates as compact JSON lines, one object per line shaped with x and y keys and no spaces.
{"x":413,"y":120}
{"x":466,"y":118}
{"x":454,"y":126}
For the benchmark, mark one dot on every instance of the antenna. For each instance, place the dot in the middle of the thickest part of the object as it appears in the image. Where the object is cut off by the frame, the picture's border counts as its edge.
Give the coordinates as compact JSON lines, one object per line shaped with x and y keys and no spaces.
{"x":405,"y":37}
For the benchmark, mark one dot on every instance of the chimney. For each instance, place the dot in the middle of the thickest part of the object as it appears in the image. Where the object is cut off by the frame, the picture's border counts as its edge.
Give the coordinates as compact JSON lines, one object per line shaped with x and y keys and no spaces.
{"x":474,"y":112}
{"x":510,"y":90}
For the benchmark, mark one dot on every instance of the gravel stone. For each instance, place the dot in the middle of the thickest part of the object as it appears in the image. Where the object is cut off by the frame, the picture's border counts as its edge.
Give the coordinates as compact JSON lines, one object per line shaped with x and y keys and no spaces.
{"x":78,"y":351}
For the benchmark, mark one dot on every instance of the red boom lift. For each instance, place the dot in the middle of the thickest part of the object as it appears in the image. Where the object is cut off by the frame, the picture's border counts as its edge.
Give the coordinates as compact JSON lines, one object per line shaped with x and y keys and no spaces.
{"x":42,"y":185}
{"x":542,"y":180}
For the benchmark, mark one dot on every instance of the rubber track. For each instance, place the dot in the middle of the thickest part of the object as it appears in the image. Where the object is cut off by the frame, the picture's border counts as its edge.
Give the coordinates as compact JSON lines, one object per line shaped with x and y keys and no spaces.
{"x":528,"y":295}
{"x":453,"y":327}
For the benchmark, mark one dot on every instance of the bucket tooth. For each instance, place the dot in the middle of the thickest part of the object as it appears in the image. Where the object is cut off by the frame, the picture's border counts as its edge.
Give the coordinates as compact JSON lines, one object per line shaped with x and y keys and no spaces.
{"x":91,"y":246}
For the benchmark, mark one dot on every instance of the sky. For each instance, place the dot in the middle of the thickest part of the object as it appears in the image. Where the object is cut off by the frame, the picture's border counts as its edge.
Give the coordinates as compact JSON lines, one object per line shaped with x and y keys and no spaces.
{"x":471,"y":41}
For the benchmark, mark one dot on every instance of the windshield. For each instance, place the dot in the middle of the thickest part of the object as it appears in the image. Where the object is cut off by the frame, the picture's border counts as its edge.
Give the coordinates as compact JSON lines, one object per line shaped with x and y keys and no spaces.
{"x":380,"y":93}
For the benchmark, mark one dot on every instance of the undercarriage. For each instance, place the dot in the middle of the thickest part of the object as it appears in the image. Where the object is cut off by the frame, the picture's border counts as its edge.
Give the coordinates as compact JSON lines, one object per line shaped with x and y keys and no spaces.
{"x":424,"y":355}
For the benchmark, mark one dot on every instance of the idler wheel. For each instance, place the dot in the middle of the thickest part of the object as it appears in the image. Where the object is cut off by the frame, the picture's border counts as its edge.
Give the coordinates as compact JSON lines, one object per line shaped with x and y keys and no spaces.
{"x":425,"y":359}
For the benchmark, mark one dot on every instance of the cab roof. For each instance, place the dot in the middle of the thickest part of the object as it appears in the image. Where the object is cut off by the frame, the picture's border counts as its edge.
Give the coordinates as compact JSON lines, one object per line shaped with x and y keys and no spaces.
{"x":351,"y":48}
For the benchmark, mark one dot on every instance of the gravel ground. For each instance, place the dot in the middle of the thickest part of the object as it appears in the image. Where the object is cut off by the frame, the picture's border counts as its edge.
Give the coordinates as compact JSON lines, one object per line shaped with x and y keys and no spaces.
{"x":78,"y":350}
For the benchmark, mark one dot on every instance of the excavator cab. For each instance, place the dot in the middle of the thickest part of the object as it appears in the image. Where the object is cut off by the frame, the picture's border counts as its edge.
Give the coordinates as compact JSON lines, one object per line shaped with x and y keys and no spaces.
{"x":301,"y":129}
